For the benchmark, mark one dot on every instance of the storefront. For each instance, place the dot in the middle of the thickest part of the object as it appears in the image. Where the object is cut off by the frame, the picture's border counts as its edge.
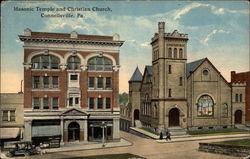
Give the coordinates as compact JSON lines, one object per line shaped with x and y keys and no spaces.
{"x":98,"y":128}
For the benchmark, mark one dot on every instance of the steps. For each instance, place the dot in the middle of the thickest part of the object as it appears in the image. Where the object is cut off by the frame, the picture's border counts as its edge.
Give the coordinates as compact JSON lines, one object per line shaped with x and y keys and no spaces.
{"x":138,"y":124}
{"x":177,"y":131}
{"x":242,"y":127}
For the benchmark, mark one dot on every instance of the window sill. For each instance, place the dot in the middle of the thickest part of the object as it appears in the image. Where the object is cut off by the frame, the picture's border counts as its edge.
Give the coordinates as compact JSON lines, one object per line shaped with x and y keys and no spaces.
{"x":33,"y":69}
{"x":100,"y":90}
{"x":45,"y":89}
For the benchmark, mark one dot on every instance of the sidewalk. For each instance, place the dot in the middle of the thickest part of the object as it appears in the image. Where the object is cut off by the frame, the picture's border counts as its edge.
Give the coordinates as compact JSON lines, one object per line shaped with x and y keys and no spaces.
{"x":88,"y":146}
{"x":183,"y":138}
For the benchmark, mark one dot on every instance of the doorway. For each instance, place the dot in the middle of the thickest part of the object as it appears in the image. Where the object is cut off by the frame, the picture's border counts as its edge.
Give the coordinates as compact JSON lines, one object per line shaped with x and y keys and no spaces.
{"x":174,"y":117}
{"x":73,"y":131}
{"x":238,"y":117}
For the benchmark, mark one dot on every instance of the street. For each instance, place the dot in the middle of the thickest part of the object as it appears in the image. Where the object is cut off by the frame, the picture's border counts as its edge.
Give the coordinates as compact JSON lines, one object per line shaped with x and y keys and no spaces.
{"x":147,"y":148}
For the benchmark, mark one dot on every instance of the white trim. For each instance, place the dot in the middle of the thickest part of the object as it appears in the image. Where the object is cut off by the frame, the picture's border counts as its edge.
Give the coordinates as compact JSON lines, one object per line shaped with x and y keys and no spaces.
{"x":89,"y":56}
{"x":35,"y":53}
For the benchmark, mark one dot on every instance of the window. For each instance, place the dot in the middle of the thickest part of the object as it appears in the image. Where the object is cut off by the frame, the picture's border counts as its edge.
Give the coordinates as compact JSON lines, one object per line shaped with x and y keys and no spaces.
{"x":5,"y":116}
{"x":205,"y":72}
{"x":175,"y":53}
{"x":70,"y":101}
{"x":100,"y":82}
{"x":45,"y":103}
{"x":55,"y":103}
{"x":9,"y":115}
{"x":236,"y":98}
{"x":108,"y":103}
{"x":169,"y":52}
{"x":224,"y":110}
{"x":36,"y":81}
{"x":45,"y":62}
{"x":55,"y":81}
{"x":180,"y":53}
{"x":91,"y":82}
{"x":46,"y":81}
{"x":240,"y":97}
{"x":205,"y":106}
{"x":108,"y":82}
{"x":180,"y":81}
{"x":73,"y":77}
{"x":100,"y":64}
{"x":36,"y":103}
{"x":12,"y":115}
{"x":91,"y":103}
{"x":169,"y":69}
{"x":77,"y":100}
{"x":169,"y":92}
{"x":73,"y":63}
{"x":99,"y":103}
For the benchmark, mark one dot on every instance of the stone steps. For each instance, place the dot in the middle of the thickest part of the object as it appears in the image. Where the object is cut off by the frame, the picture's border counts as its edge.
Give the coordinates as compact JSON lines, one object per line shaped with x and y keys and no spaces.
{"x":177,"y":131}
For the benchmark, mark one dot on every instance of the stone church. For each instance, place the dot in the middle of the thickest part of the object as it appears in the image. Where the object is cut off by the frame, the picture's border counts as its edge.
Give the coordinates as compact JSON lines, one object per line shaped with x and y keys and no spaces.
{"x":172,"y":93}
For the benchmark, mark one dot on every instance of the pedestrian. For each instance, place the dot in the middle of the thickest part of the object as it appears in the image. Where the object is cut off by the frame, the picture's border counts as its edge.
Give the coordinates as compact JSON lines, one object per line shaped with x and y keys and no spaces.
{"x":168,"y":135}
{"x":161,"y":136}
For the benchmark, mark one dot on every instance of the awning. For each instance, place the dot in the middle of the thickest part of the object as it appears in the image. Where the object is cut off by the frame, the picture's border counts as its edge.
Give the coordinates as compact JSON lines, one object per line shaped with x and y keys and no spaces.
{"x":48,"y":130}
{"x":9,"y":133}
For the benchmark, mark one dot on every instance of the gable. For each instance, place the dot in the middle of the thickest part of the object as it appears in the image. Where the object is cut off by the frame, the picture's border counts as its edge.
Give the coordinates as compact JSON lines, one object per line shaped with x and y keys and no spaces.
{"x":74,"y":112}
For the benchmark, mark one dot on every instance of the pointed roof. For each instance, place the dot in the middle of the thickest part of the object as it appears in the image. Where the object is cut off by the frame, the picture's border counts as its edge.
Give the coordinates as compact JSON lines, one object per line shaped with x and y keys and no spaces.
{"x":192,"y":66}
{"x":149,"y":69}
{"x":137,"y":76}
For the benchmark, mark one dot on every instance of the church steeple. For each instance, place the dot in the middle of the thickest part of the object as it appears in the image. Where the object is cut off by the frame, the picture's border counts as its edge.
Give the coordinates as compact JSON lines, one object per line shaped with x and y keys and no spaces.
{"x":137,"y":76}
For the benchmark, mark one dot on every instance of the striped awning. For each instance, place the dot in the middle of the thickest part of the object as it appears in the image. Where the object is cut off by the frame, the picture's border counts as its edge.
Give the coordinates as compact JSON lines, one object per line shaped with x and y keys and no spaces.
{"x":9,"y":133}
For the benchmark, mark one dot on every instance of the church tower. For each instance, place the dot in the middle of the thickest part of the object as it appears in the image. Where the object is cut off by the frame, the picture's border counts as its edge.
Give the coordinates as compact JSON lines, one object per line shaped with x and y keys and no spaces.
{"x":169,"y":57}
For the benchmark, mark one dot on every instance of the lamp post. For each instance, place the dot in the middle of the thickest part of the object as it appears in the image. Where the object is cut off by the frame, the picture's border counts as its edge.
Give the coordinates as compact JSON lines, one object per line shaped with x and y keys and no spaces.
{"x":104,"y":125}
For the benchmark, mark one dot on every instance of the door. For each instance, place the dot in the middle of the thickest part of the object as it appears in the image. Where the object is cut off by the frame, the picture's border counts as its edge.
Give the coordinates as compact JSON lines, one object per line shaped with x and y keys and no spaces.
{"x":73,"y":131}
{"x":174,"y":117}
{"x":238,"y":117}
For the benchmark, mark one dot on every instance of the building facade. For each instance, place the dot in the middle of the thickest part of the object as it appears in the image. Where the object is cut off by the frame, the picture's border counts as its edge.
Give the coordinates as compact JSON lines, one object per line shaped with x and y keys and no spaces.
{"x":190,"y":96}
{"x":71,"y":86}
{"x":11,"y":117}
{"x":243,"y":77}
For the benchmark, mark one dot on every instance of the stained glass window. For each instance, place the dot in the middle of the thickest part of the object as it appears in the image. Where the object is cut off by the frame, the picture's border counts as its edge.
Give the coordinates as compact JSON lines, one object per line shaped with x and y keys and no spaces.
{"x":205,"y":106}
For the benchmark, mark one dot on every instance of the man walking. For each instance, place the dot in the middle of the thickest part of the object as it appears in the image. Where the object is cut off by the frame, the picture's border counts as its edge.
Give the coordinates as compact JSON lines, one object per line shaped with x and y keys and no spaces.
{"x":168,"y":135}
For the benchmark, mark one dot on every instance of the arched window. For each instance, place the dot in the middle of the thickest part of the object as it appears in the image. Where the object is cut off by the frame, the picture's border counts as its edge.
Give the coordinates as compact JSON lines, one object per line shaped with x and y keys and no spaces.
{"x":99,"y":64}
{"x":175,"y":53}
{"x":45,"y":62}
{"x":205,"y":106}
{"x":205,"y":72}
{"x":169,"y":52}
{"x":180,"y":53}
{"x":73,"y":63}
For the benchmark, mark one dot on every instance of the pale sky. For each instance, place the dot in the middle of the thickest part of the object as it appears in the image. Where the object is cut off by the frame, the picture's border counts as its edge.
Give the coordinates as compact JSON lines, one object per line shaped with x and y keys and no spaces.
{"x":216,"y":30}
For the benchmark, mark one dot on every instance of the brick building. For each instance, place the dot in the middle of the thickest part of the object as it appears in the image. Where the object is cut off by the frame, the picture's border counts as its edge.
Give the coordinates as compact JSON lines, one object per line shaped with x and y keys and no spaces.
{"x":71,"y":86}
{"x":243,"y":77}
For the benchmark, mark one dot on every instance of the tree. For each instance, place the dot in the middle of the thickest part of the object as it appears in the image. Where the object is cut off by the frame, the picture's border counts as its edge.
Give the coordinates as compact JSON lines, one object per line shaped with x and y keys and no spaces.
{"x":123,"y":99}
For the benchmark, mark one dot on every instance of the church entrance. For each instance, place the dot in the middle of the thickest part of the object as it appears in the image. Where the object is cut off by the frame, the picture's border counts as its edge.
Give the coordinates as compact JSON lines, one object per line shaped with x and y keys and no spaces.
{"x":73,"y":131}
{"x":136,"y":114}
{"x":174,"y":117}
{"x":238,"y":117}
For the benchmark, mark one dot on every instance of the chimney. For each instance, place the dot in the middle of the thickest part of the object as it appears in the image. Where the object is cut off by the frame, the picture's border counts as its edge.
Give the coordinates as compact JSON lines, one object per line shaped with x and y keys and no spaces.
{"x":232,"y":76}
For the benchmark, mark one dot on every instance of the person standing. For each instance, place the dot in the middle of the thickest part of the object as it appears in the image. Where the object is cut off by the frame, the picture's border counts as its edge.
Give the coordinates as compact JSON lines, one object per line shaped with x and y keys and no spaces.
{"x":168,"y":135}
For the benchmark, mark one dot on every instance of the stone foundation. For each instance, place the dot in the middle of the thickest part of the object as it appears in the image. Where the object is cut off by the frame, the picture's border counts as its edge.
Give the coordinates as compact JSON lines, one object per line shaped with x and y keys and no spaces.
{"x":238,"y":151}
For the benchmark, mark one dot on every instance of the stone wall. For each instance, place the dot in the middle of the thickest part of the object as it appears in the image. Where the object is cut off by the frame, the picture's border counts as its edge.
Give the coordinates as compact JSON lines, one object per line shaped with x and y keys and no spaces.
{"x":238,"y":151}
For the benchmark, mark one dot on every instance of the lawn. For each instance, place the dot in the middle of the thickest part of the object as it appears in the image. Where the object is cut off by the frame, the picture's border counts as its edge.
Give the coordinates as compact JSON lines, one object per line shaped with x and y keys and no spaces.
{"x":242,"y":142}
{"x":111,"y":156}
{"x":218,"y":132}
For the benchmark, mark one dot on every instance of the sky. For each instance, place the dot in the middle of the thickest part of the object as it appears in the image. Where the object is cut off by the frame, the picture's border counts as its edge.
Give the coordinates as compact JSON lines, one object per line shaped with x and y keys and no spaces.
{"x":216,"y":30}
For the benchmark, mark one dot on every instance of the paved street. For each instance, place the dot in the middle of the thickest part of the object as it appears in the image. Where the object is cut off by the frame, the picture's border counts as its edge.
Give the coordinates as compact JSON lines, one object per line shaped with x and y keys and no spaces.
{"x":147,"y":148}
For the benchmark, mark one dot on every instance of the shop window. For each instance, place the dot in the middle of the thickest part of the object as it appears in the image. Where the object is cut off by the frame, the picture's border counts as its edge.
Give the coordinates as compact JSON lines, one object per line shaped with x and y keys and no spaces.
{"x":73,"y":63}
{"x":99,"y":64}
{"x":205,"y":106}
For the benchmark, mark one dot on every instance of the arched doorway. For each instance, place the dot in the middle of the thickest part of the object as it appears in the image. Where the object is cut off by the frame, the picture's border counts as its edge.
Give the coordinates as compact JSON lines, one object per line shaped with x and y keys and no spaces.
{"x":174,"y":117}
{"x":238,"y":117}
{"x":73,"y":131}
{"x":136,"y":114}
